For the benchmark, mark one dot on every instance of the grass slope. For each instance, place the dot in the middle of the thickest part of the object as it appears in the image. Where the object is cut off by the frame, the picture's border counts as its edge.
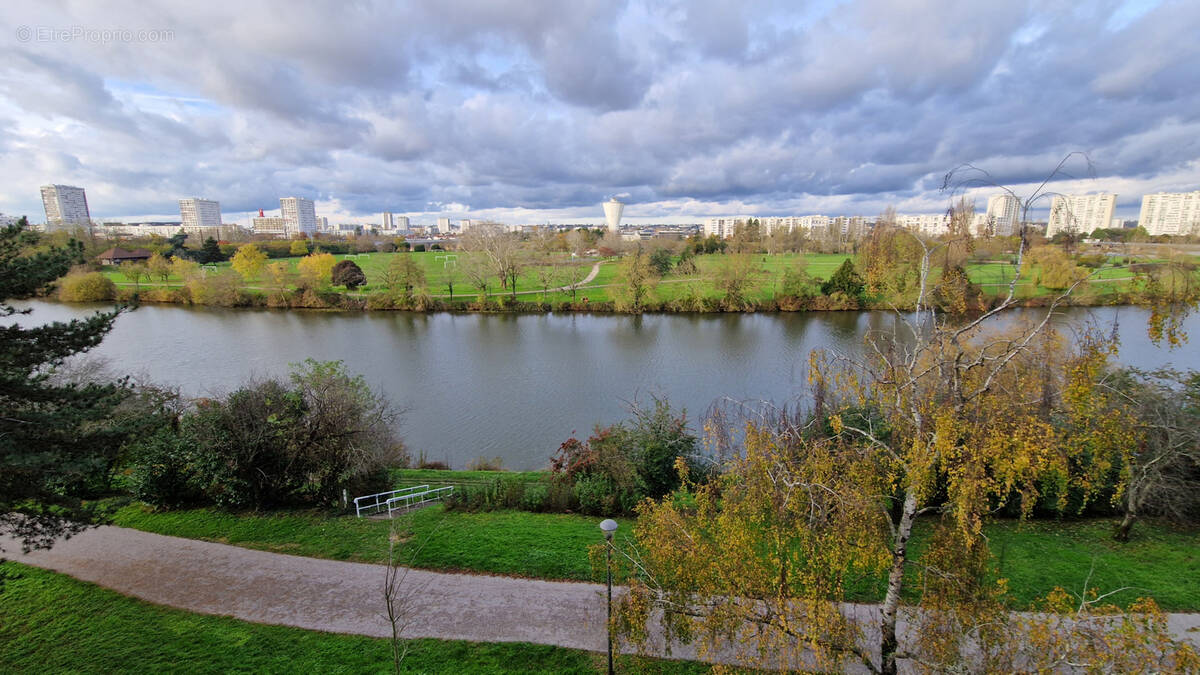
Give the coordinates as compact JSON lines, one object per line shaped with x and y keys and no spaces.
{"x":52,"y":623}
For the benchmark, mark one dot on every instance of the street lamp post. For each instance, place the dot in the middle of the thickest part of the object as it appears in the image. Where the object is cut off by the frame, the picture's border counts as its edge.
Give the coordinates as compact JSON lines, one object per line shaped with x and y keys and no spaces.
{"x":609,"y":527}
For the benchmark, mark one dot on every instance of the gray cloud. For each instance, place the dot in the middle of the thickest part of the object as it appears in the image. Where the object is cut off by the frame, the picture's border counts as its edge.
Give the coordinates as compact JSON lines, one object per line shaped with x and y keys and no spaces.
{"x":517,"y":104}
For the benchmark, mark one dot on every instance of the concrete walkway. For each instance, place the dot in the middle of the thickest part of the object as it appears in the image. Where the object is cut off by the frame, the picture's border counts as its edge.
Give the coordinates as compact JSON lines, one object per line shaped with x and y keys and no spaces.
{"x":346,"y":597}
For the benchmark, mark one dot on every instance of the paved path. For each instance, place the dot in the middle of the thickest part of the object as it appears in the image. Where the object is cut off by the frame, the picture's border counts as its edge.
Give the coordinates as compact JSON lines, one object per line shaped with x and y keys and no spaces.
{"x":346,"y":597}
{"x":326,"y":595}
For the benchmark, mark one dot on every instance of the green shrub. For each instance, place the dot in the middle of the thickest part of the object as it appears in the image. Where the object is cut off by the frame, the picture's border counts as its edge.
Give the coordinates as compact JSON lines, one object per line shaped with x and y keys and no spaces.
{"x":86,"y":287}
{"x":277,"y":443}
{"x":162,"y":472}
{"x":536,"y":498}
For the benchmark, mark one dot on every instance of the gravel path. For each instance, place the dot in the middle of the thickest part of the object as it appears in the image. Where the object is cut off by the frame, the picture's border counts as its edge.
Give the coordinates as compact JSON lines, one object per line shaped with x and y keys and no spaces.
{"x":346,"y":597}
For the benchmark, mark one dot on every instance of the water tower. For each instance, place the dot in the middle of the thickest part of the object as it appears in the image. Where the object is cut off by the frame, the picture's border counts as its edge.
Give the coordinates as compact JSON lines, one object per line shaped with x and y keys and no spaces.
{"x":612,"y":215}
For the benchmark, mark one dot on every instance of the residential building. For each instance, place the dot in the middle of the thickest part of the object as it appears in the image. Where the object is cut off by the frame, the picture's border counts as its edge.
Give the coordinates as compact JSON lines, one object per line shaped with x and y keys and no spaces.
{"x":723,"y":227}
{"x":1174,"y":213}
{"x":1080,"y":214}
{"x":401,"y":222}
{"x":299,"y":215}
{"x":273,"y":225}
{"x":5,"y":221}
{"x":66,"y":206}
{"x":199,"y":213}
{"x":1004,"y":214}
{"x":443,"y":225}
{"x":388,"y":223}
{"x":931,"y":224}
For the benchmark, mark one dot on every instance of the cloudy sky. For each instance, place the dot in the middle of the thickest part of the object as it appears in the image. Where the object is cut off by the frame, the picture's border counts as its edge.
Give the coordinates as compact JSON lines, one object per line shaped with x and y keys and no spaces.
{"x":530,"y":110}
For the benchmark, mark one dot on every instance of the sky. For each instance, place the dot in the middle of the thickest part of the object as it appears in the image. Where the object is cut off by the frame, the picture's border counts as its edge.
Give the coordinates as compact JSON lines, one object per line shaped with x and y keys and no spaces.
{"x":530,"y":111}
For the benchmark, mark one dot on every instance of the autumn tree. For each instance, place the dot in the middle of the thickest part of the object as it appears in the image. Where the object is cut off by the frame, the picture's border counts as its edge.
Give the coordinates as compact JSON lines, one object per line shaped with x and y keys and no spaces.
{"x":637,"y":282}
{"x":134,"y":271}
{"x":281,"y":276}
{"x":404,"y":275}
{"x":249,"y":261}
{"x":298,"y":247}
{"x":735,"y":276}
{"x":890,"y":259}
{"x":159,"y":266}
{"x":316,"y":269}
{"x":184,"y":269}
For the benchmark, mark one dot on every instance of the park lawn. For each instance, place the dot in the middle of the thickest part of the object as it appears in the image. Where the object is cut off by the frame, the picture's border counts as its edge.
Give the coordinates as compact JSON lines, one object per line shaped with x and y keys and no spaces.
{"x":440,"y":477}
{"x":1161,"y":562}
{"x":50,"y":622}
{"x":512,"y":543}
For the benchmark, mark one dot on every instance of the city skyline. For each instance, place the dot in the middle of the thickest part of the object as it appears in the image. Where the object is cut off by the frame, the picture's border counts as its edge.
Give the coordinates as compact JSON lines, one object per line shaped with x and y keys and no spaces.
{"x":681,"y":113}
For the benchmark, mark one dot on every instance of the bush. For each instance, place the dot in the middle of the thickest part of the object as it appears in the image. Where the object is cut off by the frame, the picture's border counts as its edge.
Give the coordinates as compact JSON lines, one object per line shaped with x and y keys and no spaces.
{"x":276,"y":443}
{"x":162,"y":472}
{"x":86,"y":287}
{"x":347,"y":273}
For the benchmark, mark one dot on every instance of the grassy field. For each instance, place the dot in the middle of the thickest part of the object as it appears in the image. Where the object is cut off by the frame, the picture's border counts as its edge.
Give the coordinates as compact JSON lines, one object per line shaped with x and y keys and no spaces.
{"x":52,"y":623}
{"x":439,"y":269}
{"x":1160,"y":562}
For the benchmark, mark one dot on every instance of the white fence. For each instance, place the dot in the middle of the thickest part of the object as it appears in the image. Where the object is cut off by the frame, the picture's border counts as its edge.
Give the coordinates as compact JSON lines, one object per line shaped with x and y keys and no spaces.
{"x":404,"y":498}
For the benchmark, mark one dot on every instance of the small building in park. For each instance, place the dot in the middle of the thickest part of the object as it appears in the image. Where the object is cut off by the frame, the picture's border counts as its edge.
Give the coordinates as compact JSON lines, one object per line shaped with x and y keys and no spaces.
{"x":117,"y":255}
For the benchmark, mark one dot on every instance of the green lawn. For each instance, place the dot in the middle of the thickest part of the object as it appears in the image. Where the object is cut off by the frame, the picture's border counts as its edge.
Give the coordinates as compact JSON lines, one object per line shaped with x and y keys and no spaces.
{"x":438,"y":477}
{"x":439,"y":269}
{"x":515,"y":543}
{"x":1161,"y":562}
{"x":52,"y":623}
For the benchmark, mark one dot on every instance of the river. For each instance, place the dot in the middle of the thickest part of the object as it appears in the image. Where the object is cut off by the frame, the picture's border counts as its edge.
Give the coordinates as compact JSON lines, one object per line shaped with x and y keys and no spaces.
{"x":515,"y":386}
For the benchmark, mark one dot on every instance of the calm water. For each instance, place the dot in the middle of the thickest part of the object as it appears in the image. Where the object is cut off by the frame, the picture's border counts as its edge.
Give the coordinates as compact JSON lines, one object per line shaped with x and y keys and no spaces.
{"x":516,"y":386}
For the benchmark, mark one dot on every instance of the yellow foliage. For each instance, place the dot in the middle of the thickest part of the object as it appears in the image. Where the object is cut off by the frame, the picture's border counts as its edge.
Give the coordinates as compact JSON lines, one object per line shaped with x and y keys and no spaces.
{"x":317,"y":268}
{"x":249,"y":261}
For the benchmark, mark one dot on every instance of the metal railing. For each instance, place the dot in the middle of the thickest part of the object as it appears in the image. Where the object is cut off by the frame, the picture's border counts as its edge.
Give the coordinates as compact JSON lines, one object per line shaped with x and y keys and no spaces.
{"x":408,"y":501}
{"x":403,"y":498}
{"x":373,"y":503}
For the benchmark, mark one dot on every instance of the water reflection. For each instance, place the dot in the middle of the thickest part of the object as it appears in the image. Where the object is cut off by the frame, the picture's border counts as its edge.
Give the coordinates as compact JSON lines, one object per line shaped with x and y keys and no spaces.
{"x":514,"y":385}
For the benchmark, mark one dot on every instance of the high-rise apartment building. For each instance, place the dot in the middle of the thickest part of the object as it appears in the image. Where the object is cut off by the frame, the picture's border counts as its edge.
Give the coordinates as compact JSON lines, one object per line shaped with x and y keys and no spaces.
{"x":1004,"y":214}
{"x":299,"y":215}
{"x":388,"y":223}
{"x":443,"y":225}
{"x":66,"y":206}
{"x":401,"y":222}
{"x":197,"y":212}
{"x":1171,"y":213}
{"x":1080,"y":214}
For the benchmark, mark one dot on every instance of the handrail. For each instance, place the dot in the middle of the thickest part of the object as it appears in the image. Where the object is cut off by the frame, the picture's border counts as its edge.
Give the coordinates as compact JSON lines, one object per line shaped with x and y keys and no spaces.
{"x":418,"y":498}
{"x":380,"y":503}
